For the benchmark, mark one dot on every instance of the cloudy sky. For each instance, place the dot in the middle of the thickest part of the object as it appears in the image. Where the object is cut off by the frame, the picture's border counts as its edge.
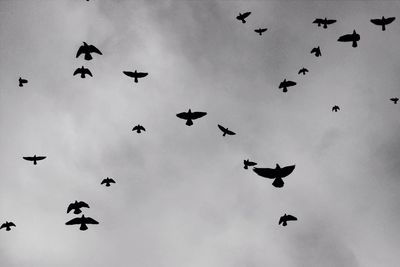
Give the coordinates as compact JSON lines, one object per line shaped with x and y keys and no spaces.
{"x":182,"y":197}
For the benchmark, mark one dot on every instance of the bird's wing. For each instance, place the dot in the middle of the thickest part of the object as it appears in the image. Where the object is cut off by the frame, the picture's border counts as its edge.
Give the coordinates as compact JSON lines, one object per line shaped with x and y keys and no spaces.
{"x":83,"y":204}
{"x":129,"y":73}
{"x":81,"y":50}
{"x":222,"y":128}
{"x":300,"y":71}
{"x":141,"y":74}
{"x":74,"y":221}
{"x":3,"y":225}
{"x":314,"y":50}
{"x":12,"y":224}
{"x":281,"y":85}
{"x":198,"y":114}
{"x":330,"y":21}
{"x":94,"y":49}
{"x":246,"y":14}
{"x":346,"y":38}
{"x":394,"y":99}
{"x":290,"y":218}
{"x":183,"y":115}
{"x":306,"y":70}
{"x":389,"y":20}
{"x":280,"y":220}
{"x":40,"y":158}
{"x":142,"y":128}
{"x":89,"y":220}
{"x":111,"y":180}
{"x":28,"y":158}
{"x":290,"y":83}
{"x":70,"y":207}
{"x":135,"y":128}
{"x":285,"y":171}
{"x":251,"y":163}
{"x":264,"y":29}
{"x":77,"y":71}
{"x":104,"y":181}
{"x":265,"y":172}
{"x":258,"y":30}
{"x":377,"y":21}
{"x":87,"y":71}
{"x":317,"y":21}
{"x":229,"y":132}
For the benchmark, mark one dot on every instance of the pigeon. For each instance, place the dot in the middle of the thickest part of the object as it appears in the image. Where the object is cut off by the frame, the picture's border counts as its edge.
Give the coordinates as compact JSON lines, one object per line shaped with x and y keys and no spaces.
{"x":277,"y":174}
{"x":34,"y":159}
{"x":303,"y":71}
{"x":285,"y":84}
{"x":7,"y":225}
{"x":324,"y":22}
{"x":285,"y":218}
{"x":108,"y":181}
{"x":395,"y":99}
{"x":225,"y":131}
{"x":22,"y":81}
{"x":87,"y":50}
{"x":260,"y":30}
{"x":242,"y":17}
{"x":351,"y":37}
{"x":83,"y":221}
{"x":82,"y":71}
{"x":190,"y":116}
{"x":335,"y":108}
{"x":316,"y":51}
{"x":135,"y":75}
{"x":138,"y":128}
{"x":76,"y":206}
{"x":383,"y":22}
{"x":248,"y":163}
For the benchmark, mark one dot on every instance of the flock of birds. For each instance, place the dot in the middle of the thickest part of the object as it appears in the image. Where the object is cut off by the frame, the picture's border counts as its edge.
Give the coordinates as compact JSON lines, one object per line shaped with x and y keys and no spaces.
{"x":276,"y":174}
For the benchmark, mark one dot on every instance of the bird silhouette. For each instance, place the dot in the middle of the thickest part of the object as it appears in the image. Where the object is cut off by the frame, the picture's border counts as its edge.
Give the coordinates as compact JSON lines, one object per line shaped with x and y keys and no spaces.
{"x":316,"y":51}
{"x":135,"y":75}
{"x":335,"y":108}
{"x":247,"y":163}
{"x":83,"y":221}
{"x":34,"y":159}
{"x":285,"y":84}
{"x":303,"y":71}
{"x":383,"y":22}
{"x":285,"y":218}
{"x":260,"y":30}
{"x":351,"y":37}
{"x":83,"y":71}
{"x":7,"y":225}
{"x":225,"y":131}
{"x":76,"y":206}
{"x":324,"y":22}
{"x":190,"y":116}
{"x":395,"y":99}
{"x":277,"y":174}
{"x":87,"y":50}
{"x":243,"y":16}
{"x":108,"y":181}
{"x":22,"y":81}
{"x":138,"y":128}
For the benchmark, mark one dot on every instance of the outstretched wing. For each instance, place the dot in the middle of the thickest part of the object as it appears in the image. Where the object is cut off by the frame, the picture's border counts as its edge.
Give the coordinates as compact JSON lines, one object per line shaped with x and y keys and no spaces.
{"x":330,"y":21}
{"x":346,"y":38}
{"x":286,"y":171}
{"x":377,"y":21}
{"x":40,"y":158}
{"x":77,"y":71}
{"x":251,"y":163}
{"x":83,"y":204}
{"x":222,"y":128}
{"x":94,"y":49}
{"x":89,"y":220}
{"x":389,"y":20}
{"x":3,"y":226}
{"x":81,"y":50}
{"x":142,"y":128}
{"x":317,"y":21}
{"x":141,"y":74}
{"x":74,"y":221}
{"x":183,"y":115}
{"x":70,"y":207}
{"x":245,"y":15}
{"x":130,"y":74}
{"x":135,"y":128}
{"x":11,"y":224}
{"x":110,"y":180}
{"x":265,"y":172}
{"x":104,"y":181}
{"x":87,"y":71}
{"x":197,"y":115}
{"x":229,"y":132}
{"x":281,"y":220}
{"x":290,"y":218}
{"x":29,"y":158}
{"x":314,"y":50}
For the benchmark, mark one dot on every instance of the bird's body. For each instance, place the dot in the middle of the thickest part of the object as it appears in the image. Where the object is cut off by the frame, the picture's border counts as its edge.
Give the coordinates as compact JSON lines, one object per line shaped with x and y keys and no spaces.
{"x":82,"y":221}
{"x":225,"y":131}
{"x":325,"y":22}
{"x":260,"y":30}
{"x":395,"y":99}
{"x":83,"y":71}
{"x":303,"y":71}
{"x":22,"y":81}
{"x":76,"y":206}
{"x":190,"y":116}
{"x":247,"y":163}
{"x":316,"y":51}
{"x":34,"y":159}
{"x":108,"y":181}
{"x":383,"y":22}
{"x":7,"y":225}
{"x":243,"y":16}
{"x":138,"y":128}
{"x":285,"y":84}
{"x":277,"y":174}
{"x":285,"y":218}
{"x":136,"y":75}
{"x":335,"y":108}
{"x":351,"y":37}
{"x":87,"y":50}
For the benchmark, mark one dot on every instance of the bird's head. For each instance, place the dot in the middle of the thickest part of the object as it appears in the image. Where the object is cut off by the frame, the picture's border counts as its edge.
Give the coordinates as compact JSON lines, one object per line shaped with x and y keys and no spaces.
{"x":354,"y":32}
{"x":277,"y":166}
{"x":85,"y":44}
{"x":190,"y":111}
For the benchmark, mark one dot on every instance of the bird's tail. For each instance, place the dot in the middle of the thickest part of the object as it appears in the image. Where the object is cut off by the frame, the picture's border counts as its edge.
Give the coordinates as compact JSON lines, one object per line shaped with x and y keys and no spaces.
{"x":88,"y":56}
{"x":325,"y":26}
{"x":245,"y":166}
{"x":354,"y":44}
{"x":20,"y":84}
{"x":284,"y":89}
{"x":383,"y":27}
{"x":83,"y":227}
{"x":136,"y":80}
{"x":34,"y":162}
{"x":189,"y":122}
{"x":243,"y":21}
{"x":284,"y":223}
{"x":260,"y":33}
{"x":223,"y":134}
{"x":278,"y":182}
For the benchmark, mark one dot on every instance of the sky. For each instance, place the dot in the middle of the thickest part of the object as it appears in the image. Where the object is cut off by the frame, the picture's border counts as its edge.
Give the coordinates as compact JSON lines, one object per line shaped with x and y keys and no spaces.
{"x":182,"y":196}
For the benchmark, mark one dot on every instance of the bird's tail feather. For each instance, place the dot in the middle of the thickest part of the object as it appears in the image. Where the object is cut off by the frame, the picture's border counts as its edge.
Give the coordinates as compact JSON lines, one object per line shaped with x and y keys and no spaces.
{"x":83,"y":227}
{"x":189,"y":122}
{"x":88,"y":56}
{"x":284,"y":223}
{"x":136,"y":80}
{"x":354,"y":44}
{"x":278,"y":182}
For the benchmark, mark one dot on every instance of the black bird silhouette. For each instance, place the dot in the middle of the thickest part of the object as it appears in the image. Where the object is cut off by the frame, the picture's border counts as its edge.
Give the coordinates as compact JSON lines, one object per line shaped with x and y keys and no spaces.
{"x":285,"y":84}
{"x":395,"y":99}
{"x":83,"y":221}
{"x":138,"y":128}
{"x":7,"y":225}
{"x":87,"y":50}
{"x":247,"y":163}
{"x":34,"y":159}
{"x":76,"y":206}
{"x":82,"y":71}
{"x":260,"y":30}
{"x":190,"y":116}
{"x":108,"y":181}
{"x":285,"y":218}
{"x":303,"y":71}
{"x":383,"y":22}
{"x":335,"y":108}
{"x":225,"y":131}
{"x":22,"y":81}
{"x":316,"y":51}
{"x":135,"y":75}
{"x":324,"y":22}
{"x":351,"y":37}
{"x":277,"y":174}
{"x":242,"y":17}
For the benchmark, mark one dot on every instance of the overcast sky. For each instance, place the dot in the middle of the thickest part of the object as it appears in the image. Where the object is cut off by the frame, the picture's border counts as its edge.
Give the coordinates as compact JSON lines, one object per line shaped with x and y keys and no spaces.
{"x":182,"y":197}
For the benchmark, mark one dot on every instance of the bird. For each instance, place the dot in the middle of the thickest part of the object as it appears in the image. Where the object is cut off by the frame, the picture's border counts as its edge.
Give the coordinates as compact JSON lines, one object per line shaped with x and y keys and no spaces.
{"x":285,"y":218}
{"x":138,"y":128}
{"x":34,"y":159}
{"x":277,"y":174}
{"x":316,"y":51}
{"x":395,"y":99}
{"x":190,"y":116}
{"x":243,"y":16}
{"x":285,"y":84}
{"x":108,"y":181}
{"x":225,"y":131}
{"x":87,"y":50}
{"x":303,"y":71}
{"x":76,"y":206}
{"x":82,"y":71}
{"x":22,"y":81}
{"x":351,"y":37}
{"x":7,"y":225}
{"x":83,"y":221}
{"x":383,"y":22}
{"x":335,"y":108}
{"x":248,"y":163}
{"x":135,"y":75}
{"x":324,"y":22}
{"x":260,"y":30}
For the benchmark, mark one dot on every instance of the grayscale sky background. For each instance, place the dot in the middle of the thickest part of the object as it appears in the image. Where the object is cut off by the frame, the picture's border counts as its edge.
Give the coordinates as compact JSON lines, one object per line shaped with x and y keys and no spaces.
{"x":182,"y":197}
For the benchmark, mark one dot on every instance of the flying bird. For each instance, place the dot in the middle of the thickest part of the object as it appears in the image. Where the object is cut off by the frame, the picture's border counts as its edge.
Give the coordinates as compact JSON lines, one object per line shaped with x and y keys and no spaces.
{"x":316,"y":51}
{"x":277,"y":174}
{"x":242,"y":17}
{"x":303,"y":71}
{"x":135,"y":75}
{"x":87,"y":50}
{"x":285,"y":84}
{"x":395,"y":99}
{"x":383,"y":22}
{"x":190,"y":116}
{"x":34,"y":159}
{"x":22,"y":81}
{"x":324,"y":22}
{"x":225,"y":131}
{"x":83,"y":221}
{"x":138,"y":128}
{"x":351,"y":37}
{"x":247,"y":163}
{"x":7,"y":225}
{"x":76,"y":206}
{"x":83,"y":71}
{"x":260,"y":30}
{"x":335,"y":108}
{"x":108,"y":181}
{"x":285,"y":218}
